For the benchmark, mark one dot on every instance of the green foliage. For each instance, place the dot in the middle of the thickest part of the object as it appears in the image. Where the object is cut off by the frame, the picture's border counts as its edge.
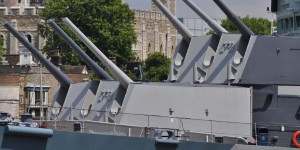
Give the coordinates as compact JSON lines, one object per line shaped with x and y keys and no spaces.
{"x":109,"y":24}
{"x":257,"y":25}
{"x":156,"y":67}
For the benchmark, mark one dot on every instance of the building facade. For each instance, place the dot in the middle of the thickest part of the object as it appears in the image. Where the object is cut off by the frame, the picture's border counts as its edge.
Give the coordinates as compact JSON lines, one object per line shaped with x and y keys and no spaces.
{"x":154,"y":32}
{"x":288,"y":16}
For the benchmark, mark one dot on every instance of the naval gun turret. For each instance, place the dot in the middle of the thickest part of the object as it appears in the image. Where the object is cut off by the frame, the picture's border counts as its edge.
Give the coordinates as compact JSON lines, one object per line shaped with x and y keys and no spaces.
{"x":199,"y":53}
{"x":82,"y":93}
{"x":129,"y":106}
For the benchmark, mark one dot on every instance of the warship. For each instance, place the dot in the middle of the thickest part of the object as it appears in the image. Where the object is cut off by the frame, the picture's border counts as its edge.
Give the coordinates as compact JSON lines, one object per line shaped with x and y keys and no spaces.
{"x":225,"y":91}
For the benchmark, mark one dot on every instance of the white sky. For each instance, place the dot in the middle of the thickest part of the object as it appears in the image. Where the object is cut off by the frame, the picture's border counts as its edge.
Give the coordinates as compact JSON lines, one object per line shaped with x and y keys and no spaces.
{"x":253,"y":8}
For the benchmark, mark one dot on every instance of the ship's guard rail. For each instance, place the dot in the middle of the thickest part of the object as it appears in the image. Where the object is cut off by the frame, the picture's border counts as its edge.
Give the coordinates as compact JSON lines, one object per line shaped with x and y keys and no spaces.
{"x":106,"y":125}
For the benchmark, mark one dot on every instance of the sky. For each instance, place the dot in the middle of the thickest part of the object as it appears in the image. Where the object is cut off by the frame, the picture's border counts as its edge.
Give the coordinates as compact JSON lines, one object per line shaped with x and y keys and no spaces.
{"x":253,"y":8}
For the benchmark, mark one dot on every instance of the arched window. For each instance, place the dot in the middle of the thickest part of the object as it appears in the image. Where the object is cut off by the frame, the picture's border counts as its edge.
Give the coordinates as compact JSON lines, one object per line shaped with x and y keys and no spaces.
{"x":149,"y":48}
{"x":1,"y":42}
{"x":172,"y":50}
{"x":29,"y":38}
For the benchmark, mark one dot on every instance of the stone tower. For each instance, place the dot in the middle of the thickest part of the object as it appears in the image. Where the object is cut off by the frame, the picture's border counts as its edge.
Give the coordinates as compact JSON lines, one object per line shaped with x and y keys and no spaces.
{"x":170,"y":4}
{"x":154,"y":31}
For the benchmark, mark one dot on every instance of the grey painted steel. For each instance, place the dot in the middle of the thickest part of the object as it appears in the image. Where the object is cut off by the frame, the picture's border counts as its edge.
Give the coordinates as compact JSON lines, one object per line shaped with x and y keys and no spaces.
{"x":26,"y":131}
{"x":95,"y":67}
{"x":77,"y":95}
{"x":246,"y":32}
{"x":117,"y":72}
{"x":62,"y":78}
{"x":190,"y":102}
{"x":107,"y":94}
{"x":227,"y":48}
{"x":186,"y":34}
{"x":76,"y":141}
{"x":215,"y":26}
{"x":199,"y":58}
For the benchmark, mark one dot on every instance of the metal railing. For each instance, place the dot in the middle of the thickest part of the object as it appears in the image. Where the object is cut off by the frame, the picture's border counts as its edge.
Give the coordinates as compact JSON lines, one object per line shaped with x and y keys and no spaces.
{"x":109,"y":123}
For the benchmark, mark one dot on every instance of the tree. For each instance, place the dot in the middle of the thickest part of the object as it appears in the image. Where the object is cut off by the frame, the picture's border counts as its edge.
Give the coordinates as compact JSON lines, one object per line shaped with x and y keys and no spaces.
{"x":109,"y":24}
{"x":257,"y":25}
{"x":156,"y":67}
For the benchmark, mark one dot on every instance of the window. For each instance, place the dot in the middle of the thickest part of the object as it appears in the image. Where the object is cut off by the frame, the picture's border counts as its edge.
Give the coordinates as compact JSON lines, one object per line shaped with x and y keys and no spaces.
{"x":287,"y":25}
{"x":1,"y":1}
{"x":1,"y":41}
{"x":28,"y":38}
{"x":38,"y":98}
{"x":298,"y":21}
{"x":149,"y":48}
{"x":20,"y":1}
{"x":291,"y":24}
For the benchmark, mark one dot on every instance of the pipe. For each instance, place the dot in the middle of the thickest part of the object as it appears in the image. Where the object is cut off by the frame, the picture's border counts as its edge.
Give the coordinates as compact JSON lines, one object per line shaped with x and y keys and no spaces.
{"x":216,"y":27}
{"x":186,"y":34}
{"x":117,"y":72}
{"x":95,"y":67}
{"x":62,"y":78}
{"x":245,"y":31}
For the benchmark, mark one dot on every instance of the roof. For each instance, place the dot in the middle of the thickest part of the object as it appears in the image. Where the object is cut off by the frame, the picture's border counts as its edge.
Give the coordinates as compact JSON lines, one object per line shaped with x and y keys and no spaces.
{"x":74,"y":69}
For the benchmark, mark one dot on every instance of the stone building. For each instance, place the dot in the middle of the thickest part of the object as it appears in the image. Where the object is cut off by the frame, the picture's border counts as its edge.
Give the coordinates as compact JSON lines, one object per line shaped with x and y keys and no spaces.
{"x":154,"y":31}
{"x":20,"y":87}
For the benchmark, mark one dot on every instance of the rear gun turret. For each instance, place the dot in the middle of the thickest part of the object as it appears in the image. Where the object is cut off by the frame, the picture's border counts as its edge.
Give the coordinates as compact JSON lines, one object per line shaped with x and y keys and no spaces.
{"x":216,"y":27}
{"x":62,"y":78}
{"x":95,"y":67}
{"x":117,"y":72}
{"x":186,"y":34}
{"x":245,"y":31}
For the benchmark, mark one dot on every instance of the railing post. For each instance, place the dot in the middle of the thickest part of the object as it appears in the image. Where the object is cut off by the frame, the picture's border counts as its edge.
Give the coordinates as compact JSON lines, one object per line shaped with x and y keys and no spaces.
{"x":148,"y":126}
{"x":255,"y":134}
{"x":211,"y":131}
{"x":82,"y":131}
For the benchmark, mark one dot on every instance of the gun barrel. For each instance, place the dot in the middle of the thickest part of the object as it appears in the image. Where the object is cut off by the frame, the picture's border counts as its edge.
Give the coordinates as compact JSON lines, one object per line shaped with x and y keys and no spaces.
{"x":186,"y":34}
{"x":95,"y":67}
{"x":216,"y":27}
{"x":117,"y":72}
{"x":62,"y":78}
{"x":245,"y":31}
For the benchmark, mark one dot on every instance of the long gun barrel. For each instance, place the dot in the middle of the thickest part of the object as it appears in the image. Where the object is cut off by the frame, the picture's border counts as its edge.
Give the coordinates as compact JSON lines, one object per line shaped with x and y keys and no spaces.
{"x":216,"y":27}
{"x":95,"y":67}
{"x":62,"y":78}
{"x":186,"y":34}
{"x":245,"y":31}
{"x":117,"y":72}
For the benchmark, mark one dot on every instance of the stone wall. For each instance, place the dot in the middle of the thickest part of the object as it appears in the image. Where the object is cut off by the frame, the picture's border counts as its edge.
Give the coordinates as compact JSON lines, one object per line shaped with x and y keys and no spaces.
{"x":154,"y":32}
